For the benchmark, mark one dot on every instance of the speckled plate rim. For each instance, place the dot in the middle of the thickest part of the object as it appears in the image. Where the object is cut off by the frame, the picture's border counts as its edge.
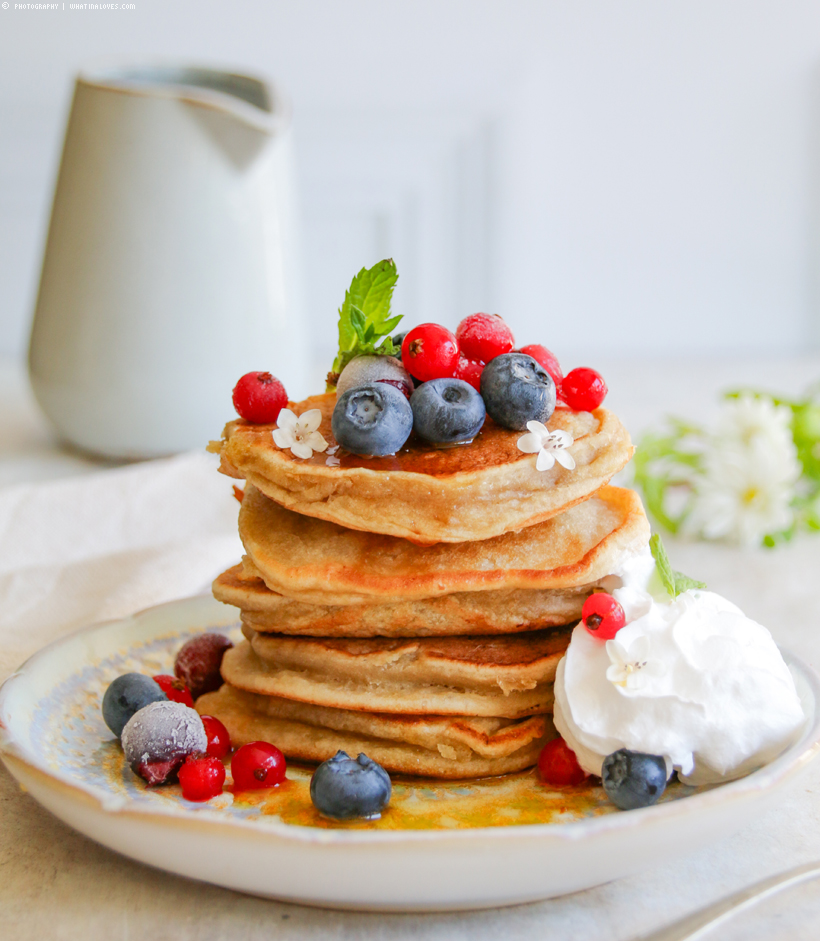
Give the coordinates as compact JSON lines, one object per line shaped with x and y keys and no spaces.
{"x":204,"y":609}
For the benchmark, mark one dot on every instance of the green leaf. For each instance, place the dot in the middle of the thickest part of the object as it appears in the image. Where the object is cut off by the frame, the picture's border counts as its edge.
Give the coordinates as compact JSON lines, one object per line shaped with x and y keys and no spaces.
{"x":674,"y":582}
{"x":365,"y":323}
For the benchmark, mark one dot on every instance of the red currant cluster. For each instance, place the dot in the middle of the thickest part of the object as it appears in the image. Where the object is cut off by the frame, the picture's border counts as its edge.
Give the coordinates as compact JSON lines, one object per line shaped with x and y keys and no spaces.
{"x":431,"y":351}
{"x":201,"y":772}
{"x":201,"y":777}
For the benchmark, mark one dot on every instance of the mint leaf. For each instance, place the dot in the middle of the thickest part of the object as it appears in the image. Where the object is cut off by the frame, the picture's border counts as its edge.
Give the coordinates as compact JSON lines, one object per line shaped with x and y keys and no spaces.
{"x":684,"y":583}
{"x":674,"y":582}
{"x":365,"y":324}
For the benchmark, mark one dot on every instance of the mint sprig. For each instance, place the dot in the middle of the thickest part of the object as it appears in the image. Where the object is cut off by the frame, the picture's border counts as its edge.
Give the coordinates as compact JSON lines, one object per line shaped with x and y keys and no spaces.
{"x":365,"y":324}
{"x":674,"y":582}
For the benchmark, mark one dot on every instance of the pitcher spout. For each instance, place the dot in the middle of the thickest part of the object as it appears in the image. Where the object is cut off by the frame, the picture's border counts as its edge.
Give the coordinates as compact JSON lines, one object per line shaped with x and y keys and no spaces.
{"x":237,"y":111}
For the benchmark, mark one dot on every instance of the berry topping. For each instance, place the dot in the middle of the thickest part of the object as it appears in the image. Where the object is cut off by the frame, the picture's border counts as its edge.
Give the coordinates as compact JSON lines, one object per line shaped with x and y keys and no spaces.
{"x":446,"y":411}
{"x":602,"y":615}
{"x":516,"y":389}
{"x":401,"y":386}
{"x":344,"y":788}
{"x":258,"y":764}
{"x":470,"y":370}
{"x":258,"y":397}
{"x":219,"y":740}
{"x":583,"y":389}
{"x":375,"y":419}
{"x":430,"y":351}
{"x":174,"y":689}
{"x":163,"y":732}
{"x":198,"y":661}
{"x":482,"y":337}
{"x":201,"y":777}
{"x":558,"y":765}
{"x":157,"y":772}
{"x":632,"y":779}
{"x":543,"y":356}
{"x":365,"y":370}
{"x":127,"y":695}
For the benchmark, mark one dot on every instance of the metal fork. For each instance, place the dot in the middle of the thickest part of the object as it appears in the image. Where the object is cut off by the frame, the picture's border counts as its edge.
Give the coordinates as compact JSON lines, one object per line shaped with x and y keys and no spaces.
{"x":698,"y":925}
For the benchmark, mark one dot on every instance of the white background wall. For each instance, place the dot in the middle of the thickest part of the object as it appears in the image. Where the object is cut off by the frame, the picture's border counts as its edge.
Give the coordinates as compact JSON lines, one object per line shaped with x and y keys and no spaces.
{"x":613,"y":177}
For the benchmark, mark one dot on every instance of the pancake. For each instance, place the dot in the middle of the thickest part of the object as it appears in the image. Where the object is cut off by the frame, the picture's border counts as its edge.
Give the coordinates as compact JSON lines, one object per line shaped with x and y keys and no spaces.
{"x":435,"y":746}
{"x":477,"y":612}
{"x":311,"y":560}
{"x":507,"y":677}
{"x":466,"y":493}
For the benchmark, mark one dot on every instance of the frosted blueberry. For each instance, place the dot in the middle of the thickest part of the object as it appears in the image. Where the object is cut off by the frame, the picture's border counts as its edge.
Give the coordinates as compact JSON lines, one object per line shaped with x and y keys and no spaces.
{"x":163,"y":732}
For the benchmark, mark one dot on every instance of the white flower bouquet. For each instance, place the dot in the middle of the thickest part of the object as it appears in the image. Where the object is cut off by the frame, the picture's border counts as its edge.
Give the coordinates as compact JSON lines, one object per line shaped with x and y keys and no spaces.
{"x":753,"y":480}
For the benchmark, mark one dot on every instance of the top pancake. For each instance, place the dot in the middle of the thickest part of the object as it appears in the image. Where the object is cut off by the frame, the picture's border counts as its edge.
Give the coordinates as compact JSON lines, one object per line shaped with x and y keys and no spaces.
{"x":425,"y":494}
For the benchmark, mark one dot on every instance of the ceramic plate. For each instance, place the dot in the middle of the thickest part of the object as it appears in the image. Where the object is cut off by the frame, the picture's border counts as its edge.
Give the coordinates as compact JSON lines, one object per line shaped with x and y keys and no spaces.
{"x":455,"y":845}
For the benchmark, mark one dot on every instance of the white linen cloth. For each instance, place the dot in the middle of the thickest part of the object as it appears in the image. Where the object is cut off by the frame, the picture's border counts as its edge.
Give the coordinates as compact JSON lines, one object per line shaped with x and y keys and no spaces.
{"x":107,"y":544}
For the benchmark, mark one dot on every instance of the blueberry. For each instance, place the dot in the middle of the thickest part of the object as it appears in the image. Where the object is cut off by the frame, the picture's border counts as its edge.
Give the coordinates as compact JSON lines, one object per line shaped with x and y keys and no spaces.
{"x":516,"y":389}
{"x":446,"y":411}
{"x":125,"y":696}
{"x":163,"y":733}
{"x":344,"y":788}
{"x":632,"y":779}
{"x":375,"y":419}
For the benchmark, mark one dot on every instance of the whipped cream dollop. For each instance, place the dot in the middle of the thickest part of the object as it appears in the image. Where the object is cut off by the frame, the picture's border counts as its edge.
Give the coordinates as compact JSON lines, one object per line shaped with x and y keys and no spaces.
{"x":692,"y":679}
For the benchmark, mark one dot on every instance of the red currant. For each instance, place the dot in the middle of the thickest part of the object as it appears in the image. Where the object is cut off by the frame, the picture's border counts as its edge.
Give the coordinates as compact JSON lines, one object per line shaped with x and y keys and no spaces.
{"x":201,"y":777}
{"x":583,"y":389}
{"x":198,"y":661}
{"x":470,"y":371}
{"x":558,"y":765}
{"x":482,"y":337}
{"x":174,"y":689}
{"x":430,"y":351}
{"x":219,"y":739}
{"x":602,"y":615}
{"x":257,"y":764}
{"x":546,"y":359}
{"x":258,"y":397}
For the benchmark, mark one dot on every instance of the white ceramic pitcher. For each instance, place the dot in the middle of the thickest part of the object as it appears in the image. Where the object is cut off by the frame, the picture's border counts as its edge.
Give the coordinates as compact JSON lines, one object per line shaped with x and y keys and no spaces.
{"x":171,"y":265}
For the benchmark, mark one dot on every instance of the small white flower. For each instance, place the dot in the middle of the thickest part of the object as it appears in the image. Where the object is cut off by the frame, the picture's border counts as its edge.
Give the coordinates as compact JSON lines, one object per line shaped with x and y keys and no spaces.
{"x":333,"y":461}
{"x":299,"y":433}
{"x":631,"y":667}
{"x":550,"y":446}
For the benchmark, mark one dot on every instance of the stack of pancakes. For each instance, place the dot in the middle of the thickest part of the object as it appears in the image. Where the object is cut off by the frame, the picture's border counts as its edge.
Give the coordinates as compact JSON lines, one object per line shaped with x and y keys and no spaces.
{"x":415,"y":607}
